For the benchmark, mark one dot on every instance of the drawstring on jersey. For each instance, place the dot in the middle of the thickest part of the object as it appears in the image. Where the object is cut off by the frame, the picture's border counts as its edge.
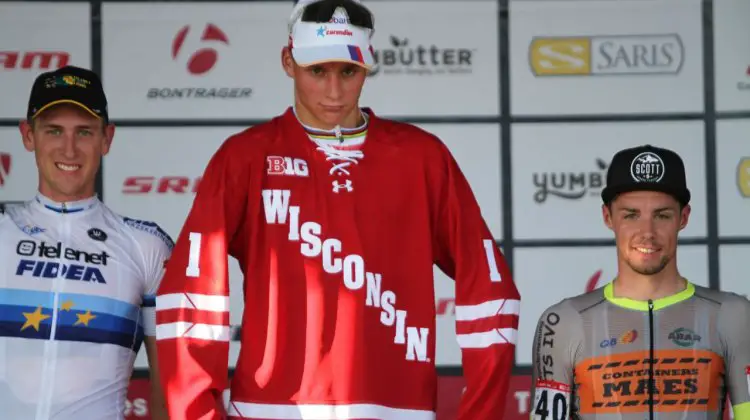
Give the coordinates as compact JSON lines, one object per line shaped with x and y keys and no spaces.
{"x":346,"y":158}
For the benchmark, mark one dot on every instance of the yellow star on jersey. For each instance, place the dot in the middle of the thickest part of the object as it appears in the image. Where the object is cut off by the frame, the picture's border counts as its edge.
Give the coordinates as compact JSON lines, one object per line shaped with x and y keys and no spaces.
{"x":67,"y":305}
{"x":33,"y":319}
{"x":84,"y":319}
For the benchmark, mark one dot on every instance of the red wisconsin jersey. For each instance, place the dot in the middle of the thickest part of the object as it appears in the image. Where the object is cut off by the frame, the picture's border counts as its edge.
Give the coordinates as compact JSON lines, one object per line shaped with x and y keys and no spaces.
{"x":339,"y":318}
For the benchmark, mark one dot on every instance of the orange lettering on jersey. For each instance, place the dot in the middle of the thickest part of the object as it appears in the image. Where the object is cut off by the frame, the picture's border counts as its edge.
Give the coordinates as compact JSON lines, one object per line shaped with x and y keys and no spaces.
{"x":619,"y":383}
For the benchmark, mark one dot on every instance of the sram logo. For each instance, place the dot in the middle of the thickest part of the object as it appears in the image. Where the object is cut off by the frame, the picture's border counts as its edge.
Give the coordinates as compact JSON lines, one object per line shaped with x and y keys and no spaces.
{"x":160,"y":185}
{"x":279,"y":165}
{"x":33,"y":60}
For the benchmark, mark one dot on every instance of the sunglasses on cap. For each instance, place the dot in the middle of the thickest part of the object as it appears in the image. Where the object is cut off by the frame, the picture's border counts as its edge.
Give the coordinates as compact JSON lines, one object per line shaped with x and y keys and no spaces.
{"x":322,"y":11}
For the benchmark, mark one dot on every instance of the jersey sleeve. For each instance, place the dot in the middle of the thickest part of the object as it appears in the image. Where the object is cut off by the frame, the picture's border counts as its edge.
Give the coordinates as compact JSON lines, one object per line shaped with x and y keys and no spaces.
{"x":155,"y":250}
{"x":735,"y":335}
{"x":487,"y":300}
{"x":192,"y":303}
{"x":553,"y":363}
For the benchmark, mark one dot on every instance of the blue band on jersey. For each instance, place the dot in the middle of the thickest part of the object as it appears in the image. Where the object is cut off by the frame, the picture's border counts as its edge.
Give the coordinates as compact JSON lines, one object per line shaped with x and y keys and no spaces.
{"x":85,"y":318}
{"x":149,"y":301}
{"x":152,"y":228}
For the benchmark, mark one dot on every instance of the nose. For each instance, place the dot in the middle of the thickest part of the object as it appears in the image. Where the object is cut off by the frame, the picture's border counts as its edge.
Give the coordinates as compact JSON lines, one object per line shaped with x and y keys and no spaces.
{"x":335,"y":86}
{"x":647,"y":227}
{"x":69,"y":146}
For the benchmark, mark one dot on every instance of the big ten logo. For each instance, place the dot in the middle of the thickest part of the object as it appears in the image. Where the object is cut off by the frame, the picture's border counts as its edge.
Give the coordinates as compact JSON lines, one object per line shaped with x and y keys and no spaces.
{"x":743,"y":177}
{"x":279,"y":165}
{"x":203,"y":57}
{"x":136,"y":408}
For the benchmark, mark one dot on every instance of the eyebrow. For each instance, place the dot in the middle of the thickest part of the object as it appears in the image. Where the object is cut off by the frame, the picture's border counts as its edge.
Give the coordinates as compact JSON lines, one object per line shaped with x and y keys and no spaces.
{"x":659,"y":210}
{"x":51,"y":125}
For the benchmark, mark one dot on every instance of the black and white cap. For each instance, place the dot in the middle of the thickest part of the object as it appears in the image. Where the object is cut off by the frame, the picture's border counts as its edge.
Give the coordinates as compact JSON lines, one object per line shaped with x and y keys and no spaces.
{"x":646,"y":168}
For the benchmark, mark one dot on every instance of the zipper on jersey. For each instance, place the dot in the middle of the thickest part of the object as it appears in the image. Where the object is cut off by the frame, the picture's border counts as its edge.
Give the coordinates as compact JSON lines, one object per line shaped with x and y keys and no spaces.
{"x":651,"y":359}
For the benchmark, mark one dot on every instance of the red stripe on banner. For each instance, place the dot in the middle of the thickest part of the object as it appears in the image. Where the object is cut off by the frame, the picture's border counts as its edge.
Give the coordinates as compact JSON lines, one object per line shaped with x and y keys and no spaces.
{"x":487,"y":324}
{"x":192,"y":315}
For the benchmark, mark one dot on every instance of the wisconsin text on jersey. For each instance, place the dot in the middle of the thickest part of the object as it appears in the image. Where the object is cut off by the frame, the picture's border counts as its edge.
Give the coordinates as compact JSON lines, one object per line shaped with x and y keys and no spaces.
{"x":277,"y":208}
{"x":597,"y":356}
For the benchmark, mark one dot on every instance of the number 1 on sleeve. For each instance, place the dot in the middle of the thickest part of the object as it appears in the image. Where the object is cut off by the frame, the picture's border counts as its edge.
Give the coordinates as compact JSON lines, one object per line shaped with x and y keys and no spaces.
{"x":194,"y":257}
{"x":489,"y":250}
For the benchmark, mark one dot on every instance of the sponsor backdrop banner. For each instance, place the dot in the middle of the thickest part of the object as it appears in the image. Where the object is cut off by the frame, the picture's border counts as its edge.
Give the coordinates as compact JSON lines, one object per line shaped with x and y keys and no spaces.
{"x":18,"y":175}
{"x":732,"y":52}
{"x":188,"y":60}
{"x":447,"y":50}
{"x":592,"y":57}
{"x":61,"y":35}
{"x":733,"y":172}
{"x":559,"y":171}
{"x":588,"y":78}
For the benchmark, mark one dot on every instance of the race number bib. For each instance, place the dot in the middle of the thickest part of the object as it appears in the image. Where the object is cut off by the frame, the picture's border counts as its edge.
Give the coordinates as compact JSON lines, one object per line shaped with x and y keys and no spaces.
{"x":551,"y":401}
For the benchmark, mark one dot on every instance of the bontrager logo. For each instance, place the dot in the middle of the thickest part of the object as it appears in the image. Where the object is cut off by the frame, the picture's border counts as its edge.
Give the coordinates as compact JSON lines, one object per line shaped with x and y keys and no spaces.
{"x":280,"y":165}
{"x":606,"y":55}
{"x":743,"y":177}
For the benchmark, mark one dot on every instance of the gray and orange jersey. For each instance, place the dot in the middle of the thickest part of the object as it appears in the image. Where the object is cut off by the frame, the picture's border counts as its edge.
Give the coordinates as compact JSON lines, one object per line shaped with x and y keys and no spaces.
{"x":597,"y":356}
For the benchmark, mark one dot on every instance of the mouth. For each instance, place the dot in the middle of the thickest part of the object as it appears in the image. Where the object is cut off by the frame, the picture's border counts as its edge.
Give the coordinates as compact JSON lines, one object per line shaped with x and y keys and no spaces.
{"x":67,"y":167}
{"x":645,"y":250}
{"x":332,"y":108}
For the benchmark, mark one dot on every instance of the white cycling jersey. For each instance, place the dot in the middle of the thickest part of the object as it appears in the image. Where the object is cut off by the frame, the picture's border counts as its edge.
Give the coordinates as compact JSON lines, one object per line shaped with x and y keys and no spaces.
{"x":77,"y":286}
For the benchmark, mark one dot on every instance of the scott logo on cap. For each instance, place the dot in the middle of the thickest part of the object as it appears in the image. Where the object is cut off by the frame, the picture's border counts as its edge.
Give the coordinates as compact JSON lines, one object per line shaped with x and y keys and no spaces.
{"x":647,"y":167}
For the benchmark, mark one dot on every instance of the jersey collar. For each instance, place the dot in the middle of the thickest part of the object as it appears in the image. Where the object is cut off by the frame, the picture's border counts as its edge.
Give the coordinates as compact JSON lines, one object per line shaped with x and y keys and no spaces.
{"x":65,"y":207}
{"x":640,"y":305}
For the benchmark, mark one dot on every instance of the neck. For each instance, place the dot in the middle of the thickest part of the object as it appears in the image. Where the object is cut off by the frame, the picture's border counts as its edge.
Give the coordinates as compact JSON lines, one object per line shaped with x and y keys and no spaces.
{"x":58,"y":197}
{"x":636,"y":286}
{"x":353,"y":119}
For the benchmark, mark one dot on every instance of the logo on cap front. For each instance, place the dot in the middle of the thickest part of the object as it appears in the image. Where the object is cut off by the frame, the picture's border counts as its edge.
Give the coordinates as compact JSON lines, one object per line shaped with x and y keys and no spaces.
{"x":647,"y":167}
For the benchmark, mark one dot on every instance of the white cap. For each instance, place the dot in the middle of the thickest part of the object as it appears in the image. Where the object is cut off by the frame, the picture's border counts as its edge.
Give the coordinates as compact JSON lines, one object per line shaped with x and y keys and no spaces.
{"x":337,"y":40}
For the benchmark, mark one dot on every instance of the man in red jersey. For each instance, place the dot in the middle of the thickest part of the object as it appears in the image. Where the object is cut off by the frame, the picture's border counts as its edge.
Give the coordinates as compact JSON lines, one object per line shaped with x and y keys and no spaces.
{"x":336,"y":217}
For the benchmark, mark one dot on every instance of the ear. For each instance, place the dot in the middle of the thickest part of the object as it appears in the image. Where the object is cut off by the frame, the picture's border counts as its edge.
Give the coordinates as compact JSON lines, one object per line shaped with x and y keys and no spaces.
{"x":685,"y":216}
{"x":287,"y":61}
{"x":109,"y":134}
{"x":607,"y":216}
{"x":27,"y":135}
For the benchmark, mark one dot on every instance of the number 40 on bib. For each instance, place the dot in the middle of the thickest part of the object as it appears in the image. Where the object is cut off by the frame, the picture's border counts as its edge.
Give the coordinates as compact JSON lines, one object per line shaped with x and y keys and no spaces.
{"x":551,"y":401}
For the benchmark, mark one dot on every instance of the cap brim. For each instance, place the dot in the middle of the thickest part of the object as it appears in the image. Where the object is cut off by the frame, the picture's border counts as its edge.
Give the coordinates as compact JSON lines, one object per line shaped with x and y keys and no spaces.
{"x":308,"y":56}
{"x":609,"y":193}
{"x":65,"y":101}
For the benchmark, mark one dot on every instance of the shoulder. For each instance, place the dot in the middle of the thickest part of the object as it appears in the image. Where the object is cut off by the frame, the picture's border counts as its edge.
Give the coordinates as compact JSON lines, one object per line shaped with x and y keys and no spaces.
{"x":146,"y":233}
{"x":723,"y":298}
{"x":409,"y":134}
{"x":569,"y":309}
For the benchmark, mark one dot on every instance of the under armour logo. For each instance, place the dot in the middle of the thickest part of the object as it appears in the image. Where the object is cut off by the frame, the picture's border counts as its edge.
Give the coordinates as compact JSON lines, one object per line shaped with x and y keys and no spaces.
{"x":347,"y":185}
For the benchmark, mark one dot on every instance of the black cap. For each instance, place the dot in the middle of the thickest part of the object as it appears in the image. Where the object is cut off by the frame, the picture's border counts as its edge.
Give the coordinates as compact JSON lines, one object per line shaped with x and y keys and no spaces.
{"x":68,"y":84}
{"x":646,"y":168}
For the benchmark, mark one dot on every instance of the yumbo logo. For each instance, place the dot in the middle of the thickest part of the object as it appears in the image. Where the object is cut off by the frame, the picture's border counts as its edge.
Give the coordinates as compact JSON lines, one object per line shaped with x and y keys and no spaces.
{"x":743,"y":177}
{"x":569,"y":185}
{"x":684,"y":337}
{"x":606,"y":55}
{"x":422,"y":59}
